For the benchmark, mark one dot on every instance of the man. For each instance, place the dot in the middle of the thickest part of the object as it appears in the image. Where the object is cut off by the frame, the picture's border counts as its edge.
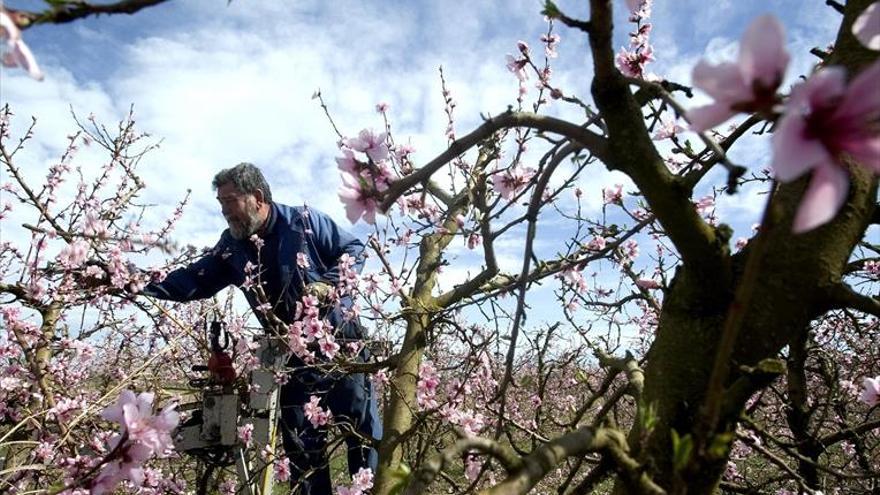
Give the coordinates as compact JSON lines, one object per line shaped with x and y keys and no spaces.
{"x":283,"y":232}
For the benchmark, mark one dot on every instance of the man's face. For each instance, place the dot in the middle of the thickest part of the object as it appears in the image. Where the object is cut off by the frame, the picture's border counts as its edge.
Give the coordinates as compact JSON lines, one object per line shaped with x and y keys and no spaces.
{"x":241,"y":211}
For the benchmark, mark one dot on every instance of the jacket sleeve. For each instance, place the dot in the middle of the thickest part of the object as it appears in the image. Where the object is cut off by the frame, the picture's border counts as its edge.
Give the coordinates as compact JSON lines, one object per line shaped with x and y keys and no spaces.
{"x":330,"y":242}
{"x":200,"y":280}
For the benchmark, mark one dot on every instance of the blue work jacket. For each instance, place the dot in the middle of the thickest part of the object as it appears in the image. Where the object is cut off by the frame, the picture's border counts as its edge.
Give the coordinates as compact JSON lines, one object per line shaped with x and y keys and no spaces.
{"x":289,"y":231}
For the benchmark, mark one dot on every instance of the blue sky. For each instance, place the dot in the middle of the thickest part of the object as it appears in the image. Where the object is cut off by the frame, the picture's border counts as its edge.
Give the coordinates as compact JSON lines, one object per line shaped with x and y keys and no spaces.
{"x":223,"y":84}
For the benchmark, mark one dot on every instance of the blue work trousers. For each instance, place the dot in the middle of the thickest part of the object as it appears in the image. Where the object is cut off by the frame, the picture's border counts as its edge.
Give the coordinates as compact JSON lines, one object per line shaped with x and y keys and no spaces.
{"x":352,"y":401}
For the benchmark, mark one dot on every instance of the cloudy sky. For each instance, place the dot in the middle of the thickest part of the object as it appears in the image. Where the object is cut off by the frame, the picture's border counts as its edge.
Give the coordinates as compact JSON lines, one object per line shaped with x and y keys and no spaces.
{"x":220,"y":84}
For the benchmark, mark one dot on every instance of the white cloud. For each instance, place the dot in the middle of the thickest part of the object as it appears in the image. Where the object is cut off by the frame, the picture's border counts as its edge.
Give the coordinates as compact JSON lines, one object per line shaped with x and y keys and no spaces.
{"x":221,"y":85}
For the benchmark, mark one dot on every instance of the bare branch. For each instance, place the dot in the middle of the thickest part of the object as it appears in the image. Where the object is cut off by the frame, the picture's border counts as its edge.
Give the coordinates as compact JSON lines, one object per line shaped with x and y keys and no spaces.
{"x":586,"y":138}
{"x":71,"y":11}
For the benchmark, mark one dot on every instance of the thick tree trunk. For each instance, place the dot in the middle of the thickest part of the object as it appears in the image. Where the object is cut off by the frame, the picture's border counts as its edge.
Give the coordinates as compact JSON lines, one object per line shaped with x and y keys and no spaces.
{"x":798,"y":279}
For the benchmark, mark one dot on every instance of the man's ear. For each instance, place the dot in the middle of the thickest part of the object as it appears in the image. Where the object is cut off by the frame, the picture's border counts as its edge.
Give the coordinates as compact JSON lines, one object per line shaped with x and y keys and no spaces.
{"x":259,"y":196}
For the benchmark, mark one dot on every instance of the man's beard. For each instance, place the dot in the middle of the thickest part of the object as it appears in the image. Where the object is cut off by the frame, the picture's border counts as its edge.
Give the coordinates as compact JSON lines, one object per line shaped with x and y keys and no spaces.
{"x":243,"y":228}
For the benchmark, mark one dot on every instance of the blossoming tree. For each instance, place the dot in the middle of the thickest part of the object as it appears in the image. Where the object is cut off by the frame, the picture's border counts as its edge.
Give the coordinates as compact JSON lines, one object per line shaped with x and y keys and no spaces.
{"x":643,"y":350}
{"x":760,"y":315}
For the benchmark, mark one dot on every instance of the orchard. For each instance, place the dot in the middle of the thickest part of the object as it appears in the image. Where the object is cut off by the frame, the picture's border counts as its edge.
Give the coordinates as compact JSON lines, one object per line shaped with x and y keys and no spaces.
{"x":641,"y":346}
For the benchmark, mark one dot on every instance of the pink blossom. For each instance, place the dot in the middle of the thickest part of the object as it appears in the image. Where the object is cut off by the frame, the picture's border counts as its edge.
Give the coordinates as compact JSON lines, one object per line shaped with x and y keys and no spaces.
{"x":748,"y":85}
{"x":596,"y":243}
{"x":44,"y":452}
{"x":229,"y":487}
{"x":705,"y":204}
{"x":518,"y":67}
{"x":550,"y":42}
{"x":134,"y":414}
{"x":361,"y":483}
{"x":629,"y":252}
{"x":639,"y":9}
{"x":512,"y":181}
{"x":74,"y":254}
{"x":632,"y":63}
{"x":329,"y":346}
{"x":297,"y":342}
{"x":459,"y":220}
{"x":668,"y":129}
{"x":866,"y":27}
{"x":371,"y":144}
{"x":471,"y":422}
{"x":472,"y":467}
{"x":282,"y":469}
{"x":871,"y":391}
{"x":143,"y":435}
{"x":873,"y":269}
{"x":94,"y":225}
{"x":302,"y":260}
{"x":402,"y":151}
{"x":823,"y":121}
{"x":363,"y":479}
{"x":646,"y":283}
{"x":382,"y":107}
{"x":314,"y":413}
{"x":641,"y":35}
{"x":613,"y":195}
{"x":348,"y":163}
{"x":358,"y":202}
{"x":314,"y":329}
{"x":575,"y":279}
{"x":381,"y":377}
{"x":126,"y":467}
{"x":474,"y":240}
{"x":246,"y":433}
{"x":13,"y":51}
{"x":426,"y":388}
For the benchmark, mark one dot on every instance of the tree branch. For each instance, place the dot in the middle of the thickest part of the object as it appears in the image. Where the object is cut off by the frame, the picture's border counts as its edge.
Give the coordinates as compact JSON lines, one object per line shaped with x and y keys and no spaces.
{"x":595,"y":143}
{"x":842,"y":296}
{"x":71,"y":11}
{"x":631,"y":151}
{"x":545,"y":458}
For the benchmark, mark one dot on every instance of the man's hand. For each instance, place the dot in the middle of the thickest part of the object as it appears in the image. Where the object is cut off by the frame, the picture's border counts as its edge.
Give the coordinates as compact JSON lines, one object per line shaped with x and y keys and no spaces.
{"x":320,"y":290}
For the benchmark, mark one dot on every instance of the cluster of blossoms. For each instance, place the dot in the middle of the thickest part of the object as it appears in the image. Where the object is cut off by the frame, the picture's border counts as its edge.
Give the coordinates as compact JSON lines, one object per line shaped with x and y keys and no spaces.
{"x":361,"y":483}
{"x":309,"y":328}
{"x":512,"y":180}
{"x":281,"y":468}
{"x":824,"y":120}
{"x":246,"y":434}
{"x":363,"y":182}
{"x":426,"y":388}
{"x":142,"y":435}
{"x":315,"y":414}
{"x":519,"y":66}
{"x":631,"y":61}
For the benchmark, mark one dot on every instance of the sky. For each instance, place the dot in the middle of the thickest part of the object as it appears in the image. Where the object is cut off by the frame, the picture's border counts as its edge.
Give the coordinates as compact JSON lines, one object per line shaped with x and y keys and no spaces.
{"x":224,"y":83}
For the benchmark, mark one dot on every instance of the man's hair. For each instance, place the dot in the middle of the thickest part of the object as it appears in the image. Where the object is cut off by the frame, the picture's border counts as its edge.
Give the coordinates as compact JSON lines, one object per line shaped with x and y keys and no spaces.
{"x":246,"y":178}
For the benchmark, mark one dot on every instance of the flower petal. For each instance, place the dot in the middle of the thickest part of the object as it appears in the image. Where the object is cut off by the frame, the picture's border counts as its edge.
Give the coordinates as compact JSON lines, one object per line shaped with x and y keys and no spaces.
{"x":26,"y":60}
{"x":708,"y":116}
{"x":866,"y":28}
{"x":821,"y":89}
{"x":862,"y":99}
{"x":722,"y":82}
{"x":793,"y":153}
{"x":866,"y":152}
{"x":762,"y":54}
{"x":823,"y":198}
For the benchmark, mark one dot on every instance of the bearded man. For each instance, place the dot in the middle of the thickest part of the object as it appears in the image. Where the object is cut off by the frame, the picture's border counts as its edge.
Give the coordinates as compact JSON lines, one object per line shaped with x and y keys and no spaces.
{"x":282,"y":233}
